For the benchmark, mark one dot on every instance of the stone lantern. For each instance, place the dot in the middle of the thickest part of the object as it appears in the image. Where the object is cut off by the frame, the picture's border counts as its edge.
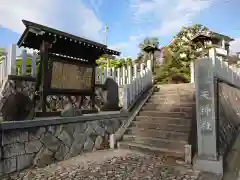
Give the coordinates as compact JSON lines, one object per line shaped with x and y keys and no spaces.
{"x":150,"y":49}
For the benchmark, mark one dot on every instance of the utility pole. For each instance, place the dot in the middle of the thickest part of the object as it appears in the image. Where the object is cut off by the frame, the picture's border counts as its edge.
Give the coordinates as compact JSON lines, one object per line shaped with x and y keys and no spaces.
{"x":106,"y":34}
{"x":106,"y":39}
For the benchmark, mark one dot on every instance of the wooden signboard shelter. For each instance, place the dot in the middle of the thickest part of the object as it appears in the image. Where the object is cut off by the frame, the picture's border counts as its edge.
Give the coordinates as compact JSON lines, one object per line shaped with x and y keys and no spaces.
{"x":67,"y":62}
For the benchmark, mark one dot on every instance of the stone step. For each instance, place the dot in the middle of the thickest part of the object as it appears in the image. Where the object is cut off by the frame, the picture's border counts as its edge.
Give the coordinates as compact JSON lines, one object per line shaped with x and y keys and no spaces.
{"x":174,"y":91}
{"x":181,"y":106}
{"x":181,"y":85}
{"x":164,"y":92}
{"x":164,"y":134}
{"x":150,"y":149}
{"x":178,"y":103}
{"x":170,"y":100}
{"x":169,"y":120}
{"x":161,"y":126}
{"x":156,"y":142}
{"x":167,"y":97}
{"x":157,"y":113}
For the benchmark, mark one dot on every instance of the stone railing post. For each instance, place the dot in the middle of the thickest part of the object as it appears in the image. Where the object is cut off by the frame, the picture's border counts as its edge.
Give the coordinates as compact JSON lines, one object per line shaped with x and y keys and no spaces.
{"x":129,"y":74}
{"x":123,"y":75}
{"x":135,"y":72}
{"x":24,"y":61}
{"x":119,"y":76}
{"x":207,"y":157}
{"x":141,"y":69}
{"x":34,"y":64}
{"x":105,"y":74}
{"x":126,"y":96}
{"x":96,"y":74}
{"x":149,"y":65}
{"x":192,"y":71}
{"x":11,"y":61}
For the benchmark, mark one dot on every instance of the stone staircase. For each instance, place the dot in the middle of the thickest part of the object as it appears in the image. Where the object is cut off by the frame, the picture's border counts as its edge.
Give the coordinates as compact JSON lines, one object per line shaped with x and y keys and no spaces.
{"x":164,"y":123}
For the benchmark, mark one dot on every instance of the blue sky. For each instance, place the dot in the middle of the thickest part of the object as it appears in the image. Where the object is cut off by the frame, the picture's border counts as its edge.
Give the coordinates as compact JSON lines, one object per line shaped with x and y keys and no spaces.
{"x":129,"y":21}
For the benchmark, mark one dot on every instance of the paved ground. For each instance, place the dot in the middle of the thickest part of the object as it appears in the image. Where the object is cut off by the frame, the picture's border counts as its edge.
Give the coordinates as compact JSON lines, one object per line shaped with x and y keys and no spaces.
{"x":109,"y":165}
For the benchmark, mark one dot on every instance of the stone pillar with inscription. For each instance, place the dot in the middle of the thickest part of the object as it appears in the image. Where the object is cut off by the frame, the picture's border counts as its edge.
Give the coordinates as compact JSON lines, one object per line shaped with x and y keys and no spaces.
{"x":207,"y":158}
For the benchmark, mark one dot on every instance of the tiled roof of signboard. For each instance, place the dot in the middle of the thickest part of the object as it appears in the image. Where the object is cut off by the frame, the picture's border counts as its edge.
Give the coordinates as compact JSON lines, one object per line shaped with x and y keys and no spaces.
{"x":41,"y":30}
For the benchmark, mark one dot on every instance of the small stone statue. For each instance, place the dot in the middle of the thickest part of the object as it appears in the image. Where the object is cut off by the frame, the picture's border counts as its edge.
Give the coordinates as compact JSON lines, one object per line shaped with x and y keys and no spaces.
{"x":17,"y":107}
{"x":110,"y":96}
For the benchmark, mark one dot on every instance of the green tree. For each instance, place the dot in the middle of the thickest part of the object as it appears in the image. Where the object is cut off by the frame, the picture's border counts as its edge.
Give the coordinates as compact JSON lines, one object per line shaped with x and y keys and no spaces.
{"x":2,"y":53}
{"x":179,"y":54}
{"x":128,"y":61}
{"x":183,"y":44}
{"x":116,"y":63}
{"x":19,"y":63}
{"x":113,"y":62}
{"x":171,"y":70}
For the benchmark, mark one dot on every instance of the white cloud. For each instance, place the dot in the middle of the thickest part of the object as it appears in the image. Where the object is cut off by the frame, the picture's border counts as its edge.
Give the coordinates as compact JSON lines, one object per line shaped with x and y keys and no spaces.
{"x":162,"y":17}
{"x":130,"y":47}
{"x":182,"y":15}
{"x":235,"y":45}
{"x":167,"y":17}
{"x":119,"y":46}
{"x":71,"y":16}
{"x":131,"y":40}
{"x":96,"y":4}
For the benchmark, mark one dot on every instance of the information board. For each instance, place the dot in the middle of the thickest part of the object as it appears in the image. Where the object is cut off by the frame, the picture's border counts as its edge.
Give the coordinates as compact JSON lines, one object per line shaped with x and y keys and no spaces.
{"x":71,"y":76}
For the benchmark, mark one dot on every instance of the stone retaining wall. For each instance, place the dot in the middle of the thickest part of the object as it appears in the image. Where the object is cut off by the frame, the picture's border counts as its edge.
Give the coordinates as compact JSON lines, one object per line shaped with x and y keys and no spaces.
{"x":39,"y":143}
{"x":229,"y":120}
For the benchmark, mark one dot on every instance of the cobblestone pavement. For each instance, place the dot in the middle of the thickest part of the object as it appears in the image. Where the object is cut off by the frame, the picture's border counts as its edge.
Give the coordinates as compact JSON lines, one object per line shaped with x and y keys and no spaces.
{"x":108,"y":165}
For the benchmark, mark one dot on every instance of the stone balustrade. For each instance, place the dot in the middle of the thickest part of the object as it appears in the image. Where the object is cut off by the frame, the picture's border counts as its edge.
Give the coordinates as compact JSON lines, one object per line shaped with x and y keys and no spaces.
{"x":217,"y":94}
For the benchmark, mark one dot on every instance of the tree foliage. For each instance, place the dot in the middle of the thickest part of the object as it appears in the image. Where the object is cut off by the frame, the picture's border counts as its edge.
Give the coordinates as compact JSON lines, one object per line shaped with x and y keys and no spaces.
{"x":182,"y":43}
{"x":113,"y":62}
{"x":2,"y":52}
{"x":179,"y":54}
{"x":172,"y":69}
